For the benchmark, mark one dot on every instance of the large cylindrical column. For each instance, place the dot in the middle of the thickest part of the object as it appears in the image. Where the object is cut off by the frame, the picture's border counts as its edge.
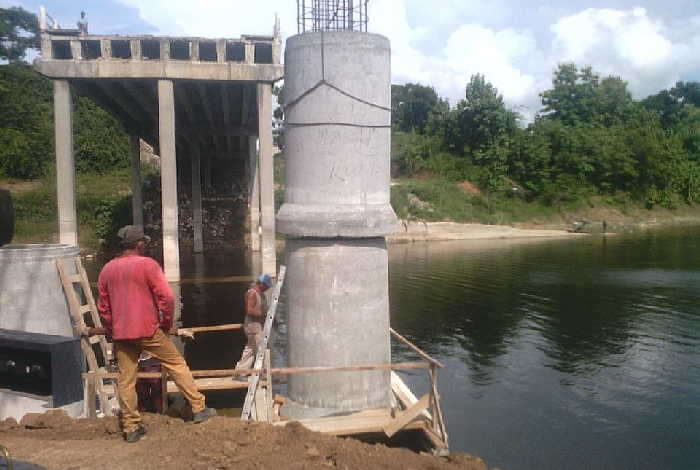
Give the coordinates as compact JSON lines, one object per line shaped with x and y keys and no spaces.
{"x":336,"y":215}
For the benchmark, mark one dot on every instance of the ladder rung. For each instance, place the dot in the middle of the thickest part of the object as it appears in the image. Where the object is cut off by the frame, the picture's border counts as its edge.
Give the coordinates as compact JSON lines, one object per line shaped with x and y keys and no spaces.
{"x":75,"y":278}
{"x":85,"y":308}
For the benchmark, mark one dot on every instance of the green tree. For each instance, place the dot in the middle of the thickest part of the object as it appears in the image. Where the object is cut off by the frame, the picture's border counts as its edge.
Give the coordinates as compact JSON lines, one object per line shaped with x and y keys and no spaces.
{"x":411,"y":105}
{"x":18,"y":32}
{"x":26,"y":128}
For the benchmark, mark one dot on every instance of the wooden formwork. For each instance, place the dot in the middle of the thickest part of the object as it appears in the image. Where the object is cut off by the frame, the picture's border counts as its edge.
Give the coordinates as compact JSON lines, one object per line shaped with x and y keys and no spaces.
{"x":407,"y":412}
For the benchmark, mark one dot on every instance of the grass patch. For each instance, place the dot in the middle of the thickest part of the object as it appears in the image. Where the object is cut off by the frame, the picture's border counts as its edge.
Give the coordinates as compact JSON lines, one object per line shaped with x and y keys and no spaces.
{"x":97,"y":196}
{"x":437,"y":199}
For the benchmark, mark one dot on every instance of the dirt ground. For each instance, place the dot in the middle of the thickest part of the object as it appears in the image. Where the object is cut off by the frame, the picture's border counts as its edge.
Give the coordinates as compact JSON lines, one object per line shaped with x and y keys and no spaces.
{"x":55,"y":441}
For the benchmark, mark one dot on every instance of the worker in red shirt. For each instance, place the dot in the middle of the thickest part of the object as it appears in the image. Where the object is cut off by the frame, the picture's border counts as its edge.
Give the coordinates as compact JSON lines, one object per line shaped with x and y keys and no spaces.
{"x":136,"y":307}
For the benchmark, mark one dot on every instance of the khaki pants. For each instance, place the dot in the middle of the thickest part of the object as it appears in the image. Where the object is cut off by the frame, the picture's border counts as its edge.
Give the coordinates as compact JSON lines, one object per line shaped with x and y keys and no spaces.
{"x":159,"y":346}
{"x":253,"y":332}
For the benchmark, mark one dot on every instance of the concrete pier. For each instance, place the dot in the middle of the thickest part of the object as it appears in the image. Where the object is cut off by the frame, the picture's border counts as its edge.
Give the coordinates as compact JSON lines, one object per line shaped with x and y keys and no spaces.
{"x":267,"y":181}
{"x":65,"y":163}
{"x":168,"y":179}
{"x":254,"y":195}
{"x":197,"y":200}
{"x":335,"y":216}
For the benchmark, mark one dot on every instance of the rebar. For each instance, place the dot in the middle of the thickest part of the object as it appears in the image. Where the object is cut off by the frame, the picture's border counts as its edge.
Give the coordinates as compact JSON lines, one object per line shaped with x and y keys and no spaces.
{"x":331,"y":15}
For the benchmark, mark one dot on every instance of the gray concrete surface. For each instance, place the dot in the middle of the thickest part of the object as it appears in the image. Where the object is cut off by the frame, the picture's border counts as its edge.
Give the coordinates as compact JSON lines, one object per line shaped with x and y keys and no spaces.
{"x":168,"y":179}
{"x":16,"y":405}
{"x":197,"y":200}
{"x":267,"y":179}
{"x":65,"y":163}
{"x":338,"y":305}
{"x":254,"y":194}
{"x":338,"y":136}
{"x":335,"y":215}
{"x":31,"y":295}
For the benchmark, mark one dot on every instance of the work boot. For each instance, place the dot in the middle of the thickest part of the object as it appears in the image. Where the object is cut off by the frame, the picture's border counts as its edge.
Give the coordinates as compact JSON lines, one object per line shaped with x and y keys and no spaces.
{"x":203,"y":415}
{"x":135,"y":436}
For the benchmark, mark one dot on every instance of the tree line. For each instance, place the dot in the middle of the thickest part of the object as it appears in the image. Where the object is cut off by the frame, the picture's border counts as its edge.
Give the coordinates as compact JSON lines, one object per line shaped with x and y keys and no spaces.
{"x":589,"y":138}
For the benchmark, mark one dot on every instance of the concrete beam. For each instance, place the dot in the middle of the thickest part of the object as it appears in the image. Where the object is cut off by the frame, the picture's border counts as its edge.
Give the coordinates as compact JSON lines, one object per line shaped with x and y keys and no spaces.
{"x":267,"y":183}
{"x":136,"y":197}
{"x":65,"y":163}
{"x":168,"y":177}
{"x":156,"y":69}
{"x":195,"y":155}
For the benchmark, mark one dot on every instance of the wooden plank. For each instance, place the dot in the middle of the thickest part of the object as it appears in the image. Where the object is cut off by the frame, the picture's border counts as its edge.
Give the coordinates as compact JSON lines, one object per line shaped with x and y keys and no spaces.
{"x":89,"y":396}
{"x":260,"y":353}
{"x":282,"y":370}
{"x":434,"y":439}
{"x":402,"y":419}
{"x":216,"y":383}
{"x":404,"y":394}
{"x":76,"y":317}
{"x":358,"y":423}
{"x":163,"y":391}
{"x":203,"y":329}
{"x":261,"y":406}
{"x":416,"y":349}
{"x":105,"y":345}
{"x":268,"y":388}
{"x":438,"y":422}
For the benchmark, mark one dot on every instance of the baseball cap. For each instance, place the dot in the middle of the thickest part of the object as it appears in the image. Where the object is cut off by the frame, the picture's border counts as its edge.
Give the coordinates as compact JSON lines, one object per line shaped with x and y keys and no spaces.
{"x":132,"y":234}
{"x":265,"y":279}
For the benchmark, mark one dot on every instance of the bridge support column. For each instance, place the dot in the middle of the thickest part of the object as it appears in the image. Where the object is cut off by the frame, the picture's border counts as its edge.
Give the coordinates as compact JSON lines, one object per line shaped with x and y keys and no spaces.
{"x":65,"y":163}
{"x":136,"y":196}
{"x":267,"y":183}
{"x":168,"y":179}
{"x":197,"y":200}
{"x":254,"y":194}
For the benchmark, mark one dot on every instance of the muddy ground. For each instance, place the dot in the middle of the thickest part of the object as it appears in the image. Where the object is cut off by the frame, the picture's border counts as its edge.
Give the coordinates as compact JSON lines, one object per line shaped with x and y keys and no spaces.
{"x":55,"y":441}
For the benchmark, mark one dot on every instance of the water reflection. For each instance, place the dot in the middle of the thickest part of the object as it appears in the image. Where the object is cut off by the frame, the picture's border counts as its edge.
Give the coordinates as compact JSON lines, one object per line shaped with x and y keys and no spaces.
{"x":563,"y":354}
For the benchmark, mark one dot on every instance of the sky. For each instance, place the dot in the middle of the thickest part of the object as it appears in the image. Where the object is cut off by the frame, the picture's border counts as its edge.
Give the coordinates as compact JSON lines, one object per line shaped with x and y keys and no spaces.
{"x":516,"y":44}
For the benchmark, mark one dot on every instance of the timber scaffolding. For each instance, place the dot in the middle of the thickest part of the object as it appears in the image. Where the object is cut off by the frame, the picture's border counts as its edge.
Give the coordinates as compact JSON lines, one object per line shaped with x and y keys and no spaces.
{"x":406,"y":413}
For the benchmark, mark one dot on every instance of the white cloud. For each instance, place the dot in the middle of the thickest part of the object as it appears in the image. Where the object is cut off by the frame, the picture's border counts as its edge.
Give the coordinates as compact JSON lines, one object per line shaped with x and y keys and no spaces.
{"x":628,"y":43}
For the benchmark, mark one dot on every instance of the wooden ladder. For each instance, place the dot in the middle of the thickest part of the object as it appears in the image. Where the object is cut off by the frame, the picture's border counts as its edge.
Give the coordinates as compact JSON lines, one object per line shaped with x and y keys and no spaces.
{"x":82,"y":305}
{"x":253,"y":395}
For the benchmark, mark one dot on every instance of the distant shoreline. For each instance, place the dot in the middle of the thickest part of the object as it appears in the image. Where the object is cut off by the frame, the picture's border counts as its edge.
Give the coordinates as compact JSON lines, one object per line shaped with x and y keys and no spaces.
{"x":417,"y":231}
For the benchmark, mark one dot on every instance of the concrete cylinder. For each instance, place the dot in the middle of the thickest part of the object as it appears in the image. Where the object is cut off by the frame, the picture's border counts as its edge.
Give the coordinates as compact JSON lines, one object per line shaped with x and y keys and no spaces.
{"x":335,"y":215}
{"x":338,"y":135}
{"x":338,"y":303}
{"x":31,"y":294}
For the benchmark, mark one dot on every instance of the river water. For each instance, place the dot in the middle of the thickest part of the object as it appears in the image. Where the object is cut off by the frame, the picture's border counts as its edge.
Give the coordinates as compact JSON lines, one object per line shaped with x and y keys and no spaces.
{"x":561,"y":354}
{"x":575,"y":354}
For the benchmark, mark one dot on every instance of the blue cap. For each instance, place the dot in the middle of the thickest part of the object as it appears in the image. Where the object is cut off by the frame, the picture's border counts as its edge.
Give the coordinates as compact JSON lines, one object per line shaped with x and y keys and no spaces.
{"x":265,"y":279}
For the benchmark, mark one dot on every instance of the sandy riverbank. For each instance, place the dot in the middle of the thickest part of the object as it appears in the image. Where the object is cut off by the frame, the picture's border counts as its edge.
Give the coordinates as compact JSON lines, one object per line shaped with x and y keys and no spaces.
{"x":434,"y":231}
{"x":58,"y":442}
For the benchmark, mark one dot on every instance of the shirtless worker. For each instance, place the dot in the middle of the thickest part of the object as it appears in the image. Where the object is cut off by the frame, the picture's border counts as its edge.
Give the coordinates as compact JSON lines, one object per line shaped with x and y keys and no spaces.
{"x":136,"y":306}
{"x":255,"y":311}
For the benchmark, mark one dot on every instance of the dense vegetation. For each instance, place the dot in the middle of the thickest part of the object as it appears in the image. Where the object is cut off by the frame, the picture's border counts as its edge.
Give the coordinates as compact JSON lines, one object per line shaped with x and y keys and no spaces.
{"x":591,"y":138}
{"x":26,"y":112}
